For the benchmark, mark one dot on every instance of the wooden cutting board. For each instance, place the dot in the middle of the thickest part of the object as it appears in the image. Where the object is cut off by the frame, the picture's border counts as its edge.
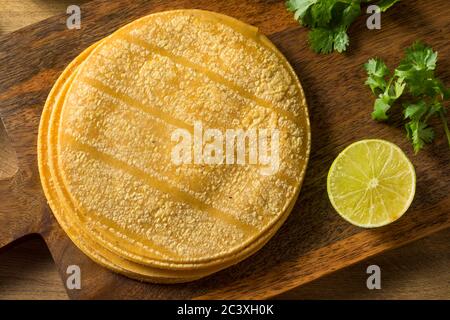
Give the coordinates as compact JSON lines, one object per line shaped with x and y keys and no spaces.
{"x":314,"y":241}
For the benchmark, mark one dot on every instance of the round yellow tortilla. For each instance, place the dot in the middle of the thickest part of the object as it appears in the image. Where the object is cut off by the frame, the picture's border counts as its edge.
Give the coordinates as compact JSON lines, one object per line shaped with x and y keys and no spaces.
{"x":195,"y":234}
{"x":98,"y":253}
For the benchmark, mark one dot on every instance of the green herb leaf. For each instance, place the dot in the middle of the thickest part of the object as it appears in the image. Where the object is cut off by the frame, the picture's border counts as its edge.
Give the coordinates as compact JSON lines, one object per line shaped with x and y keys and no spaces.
{"x":350,"y":13}
{"x":435,"y":109}
{"x":419,"y":133}
{"x":399,"y":88}
{"x":380,"y":109}
{"x":341,"y":41}
{"x":329,"y":20}
{"x":386,"y":4}
{"x":376,"y":71}
{"x":321,"y":40}
{"x":419,"y":57}
{"x":415,"y":111}
{"x":321,"y":12}
{"x":414,"y":75}
{"x":300,"y":7}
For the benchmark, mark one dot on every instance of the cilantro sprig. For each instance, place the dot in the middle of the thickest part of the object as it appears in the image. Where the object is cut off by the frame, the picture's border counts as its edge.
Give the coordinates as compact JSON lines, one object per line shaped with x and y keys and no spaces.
{"x":414,"y":81}
{"x":329,"y":20}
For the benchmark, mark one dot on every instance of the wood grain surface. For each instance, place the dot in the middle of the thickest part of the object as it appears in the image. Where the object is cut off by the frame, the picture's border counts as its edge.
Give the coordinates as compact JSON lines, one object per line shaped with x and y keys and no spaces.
{"x":314,"y":241}
{"x":416,"y":271}
{"x":15,"y":14}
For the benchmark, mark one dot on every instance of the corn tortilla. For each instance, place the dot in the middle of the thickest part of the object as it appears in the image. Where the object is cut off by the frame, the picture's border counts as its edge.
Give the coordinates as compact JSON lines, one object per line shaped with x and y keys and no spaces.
{"x":111,"y":118}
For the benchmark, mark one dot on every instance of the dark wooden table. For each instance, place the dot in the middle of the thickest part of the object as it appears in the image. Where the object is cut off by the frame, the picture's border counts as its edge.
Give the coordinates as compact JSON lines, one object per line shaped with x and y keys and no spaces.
{"x":418,"y":270}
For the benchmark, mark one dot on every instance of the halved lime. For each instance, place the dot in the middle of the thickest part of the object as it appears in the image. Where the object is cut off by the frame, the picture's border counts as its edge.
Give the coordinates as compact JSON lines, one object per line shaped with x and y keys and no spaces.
{"x":371,"y":183}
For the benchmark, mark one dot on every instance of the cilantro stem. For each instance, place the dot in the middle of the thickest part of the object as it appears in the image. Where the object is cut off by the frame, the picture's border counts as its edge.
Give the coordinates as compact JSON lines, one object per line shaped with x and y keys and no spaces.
{"x":428,"y":113}
{"x":444,"y":121}
{"x":388,"y":86}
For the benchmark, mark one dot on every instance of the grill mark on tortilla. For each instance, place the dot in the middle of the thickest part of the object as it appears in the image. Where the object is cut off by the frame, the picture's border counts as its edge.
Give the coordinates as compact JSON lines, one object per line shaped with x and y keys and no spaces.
{"x":136,"y":104}
{"x":158,"y":184}
{"x":210,"y":74}
{"x":158,"y":113}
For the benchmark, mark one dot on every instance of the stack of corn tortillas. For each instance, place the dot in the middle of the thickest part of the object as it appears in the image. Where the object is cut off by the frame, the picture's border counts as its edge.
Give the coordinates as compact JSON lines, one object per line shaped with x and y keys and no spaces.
{"x":106,"y":146}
